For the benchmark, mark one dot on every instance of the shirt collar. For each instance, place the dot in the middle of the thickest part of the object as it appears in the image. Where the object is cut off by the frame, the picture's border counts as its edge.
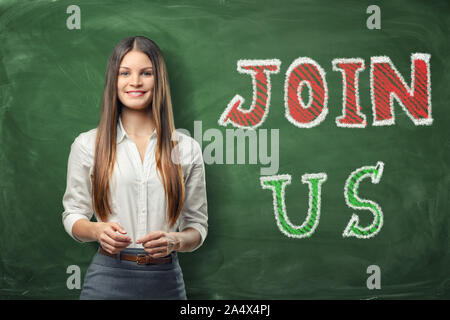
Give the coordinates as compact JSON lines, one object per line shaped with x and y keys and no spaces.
{"x":121,"y":133}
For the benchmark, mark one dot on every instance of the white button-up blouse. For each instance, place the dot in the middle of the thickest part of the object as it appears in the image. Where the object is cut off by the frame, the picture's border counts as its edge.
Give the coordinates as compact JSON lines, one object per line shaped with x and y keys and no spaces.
{"x":137,"y":193}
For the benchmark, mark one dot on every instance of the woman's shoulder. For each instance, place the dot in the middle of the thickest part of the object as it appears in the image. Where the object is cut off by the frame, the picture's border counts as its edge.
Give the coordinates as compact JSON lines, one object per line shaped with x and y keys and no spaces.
{"x":86,"y":141}
{"x":189,"y":147}
{"x":187,"y":143}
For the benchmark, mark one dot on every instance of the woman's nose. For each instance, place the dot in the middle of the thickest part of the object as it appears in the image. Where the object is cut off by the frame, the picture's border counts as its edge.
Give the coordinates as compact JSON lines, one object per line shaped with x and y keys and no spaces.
{"x":135,"y":79}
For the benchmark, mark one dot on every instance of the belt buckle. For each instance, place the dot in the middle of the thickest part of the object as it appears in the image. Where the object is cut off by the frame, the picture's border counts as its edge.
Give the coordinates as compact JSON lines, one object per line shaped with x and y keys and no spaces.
{"x":141,"y":258}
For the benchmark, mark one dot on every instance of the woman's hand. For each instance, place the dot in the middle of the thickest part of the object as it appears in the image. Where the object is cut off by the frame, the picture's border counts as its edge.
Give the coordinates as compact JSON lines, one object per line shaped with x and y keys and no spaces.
{"x":159,"y":243}
{"x":109,"y":239}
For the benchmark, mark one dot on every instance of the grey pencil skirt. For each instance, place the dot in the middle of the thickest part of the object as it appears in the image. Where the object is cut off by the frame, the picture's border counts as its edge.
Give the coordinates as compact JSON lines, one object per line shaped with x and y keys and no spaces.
{"x":110,"y":278}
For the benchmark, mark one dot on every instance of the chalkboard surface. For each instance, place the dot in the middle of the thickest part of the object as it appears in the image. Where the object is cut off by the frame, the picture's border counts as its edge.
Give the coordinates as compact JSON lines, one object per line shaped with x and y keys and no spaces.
{"x":51,"y":82}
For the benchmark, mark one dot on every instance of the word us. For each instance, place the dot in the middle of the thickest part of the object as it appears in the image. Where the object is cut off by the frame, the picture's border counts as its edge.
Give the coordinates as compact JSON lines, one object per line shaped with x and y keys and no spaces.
{"x":386,"y":84}
{"x":278,"y":185}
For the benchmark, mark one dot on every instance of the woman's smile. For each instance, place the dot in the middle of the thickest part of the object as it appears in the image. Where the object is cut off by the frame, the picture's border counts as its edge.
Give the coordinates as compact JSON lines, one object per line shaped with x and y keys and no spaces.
{"x":136,"y":94}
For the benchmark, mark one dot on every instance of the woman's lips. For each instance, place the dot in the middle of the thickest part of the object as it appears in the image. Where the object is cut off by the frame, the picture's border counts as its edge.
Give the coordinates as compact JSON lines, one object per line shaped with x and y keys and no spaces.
{"x":135,"y":94}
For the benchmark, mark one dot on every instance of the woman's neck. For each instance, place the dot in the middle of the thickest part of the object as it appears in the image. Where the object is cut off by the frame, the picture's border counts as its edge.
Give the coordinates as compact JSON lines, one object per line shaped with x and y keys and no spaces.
{"x":137,"y":123}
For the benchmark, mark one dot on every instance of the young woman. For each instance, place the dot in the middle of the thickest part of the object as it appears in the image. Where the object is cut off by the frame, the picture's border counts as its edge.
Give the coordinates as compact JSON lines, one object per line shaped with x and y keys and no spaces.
{"x":145,"y":183}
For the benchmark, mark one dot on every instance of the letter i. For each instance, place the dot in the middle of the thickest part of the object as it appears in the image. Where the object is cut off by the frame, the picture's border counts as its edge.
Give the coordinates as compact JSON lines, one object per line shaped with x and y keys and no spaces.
{"x":351,"y":110}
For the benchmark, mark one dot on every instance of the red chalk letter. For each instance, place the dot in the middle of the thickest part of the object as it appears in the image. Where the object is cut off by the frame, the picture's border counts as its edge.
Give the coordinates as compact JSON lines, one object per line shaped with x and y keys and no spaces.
{"x":386,"y":83}
{"x":260,"y":71}
{"x":351,"y":110}
{"x":305,"y":71}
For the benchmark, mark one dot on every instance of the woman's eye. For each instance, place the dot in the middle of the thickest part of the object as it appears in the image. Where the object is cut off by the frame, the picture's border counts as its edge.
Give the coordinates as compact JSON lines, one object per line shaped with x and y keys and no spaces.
{"x":146,"y":73}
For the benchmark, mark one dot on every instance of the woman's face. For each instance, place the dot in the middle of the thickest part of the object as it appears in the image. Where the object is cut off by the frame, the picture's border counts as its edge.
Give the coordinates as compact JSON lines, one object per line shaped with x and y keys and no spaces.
{"x":135,"y":81}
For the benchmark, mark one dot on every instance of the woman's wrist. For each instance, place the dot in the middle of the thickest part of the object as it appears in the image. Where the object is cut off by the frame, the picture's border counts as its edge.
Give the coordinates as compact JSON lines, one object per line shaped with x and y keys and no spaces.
{"x":96,"y":227}
{"x":85,"y":230}
{"x":186,"y":240}
{"x":178,"y":243}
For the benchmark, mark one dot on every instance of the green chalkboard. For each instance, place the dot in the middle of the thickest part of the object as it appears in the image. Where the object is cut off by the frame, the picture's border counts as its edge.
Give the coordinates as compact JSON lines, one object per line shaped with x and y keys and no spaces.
{"x":51,"y":82}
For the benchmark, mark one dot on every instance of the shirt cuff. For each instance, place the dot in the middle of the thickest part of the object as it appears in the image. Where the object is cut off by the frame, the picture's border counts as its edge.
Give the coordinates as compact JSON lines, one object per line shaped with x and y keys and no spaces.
{"x":70,"y":220}
{"x":201,"y":229}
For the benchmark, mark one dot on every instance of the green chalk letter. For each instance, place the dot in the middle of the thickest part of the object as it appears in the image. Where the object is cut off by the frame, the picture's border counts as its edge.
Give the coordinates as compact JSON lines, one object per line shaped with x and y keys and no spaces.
{"x":278,"y":184}
{"x":353,"y":228}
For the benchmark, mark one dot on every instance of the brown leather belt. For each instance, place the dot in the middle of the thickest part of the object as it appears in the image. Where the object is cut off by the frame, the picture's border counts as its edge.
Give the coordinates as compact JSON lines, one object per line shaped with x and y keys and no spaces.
{"x":139,"y":259}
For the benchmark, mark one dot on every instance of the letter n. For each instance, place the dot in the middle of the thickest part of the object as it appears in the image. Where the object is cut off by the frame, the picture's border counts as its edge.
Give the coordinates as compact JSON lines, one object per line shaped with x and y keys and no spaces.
{"x":386,"y":83}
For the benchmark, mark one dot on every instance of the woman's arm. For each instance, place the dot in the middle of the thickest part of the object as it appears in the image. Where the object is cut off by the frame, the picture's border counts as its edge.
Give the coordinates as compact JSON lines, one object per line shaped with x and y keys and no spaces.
{"x":186,"y":240}
{"x":85,"y":230}
{"x":77,"y":197}
{"x":194,"y":215}
{"x":160,"y":244}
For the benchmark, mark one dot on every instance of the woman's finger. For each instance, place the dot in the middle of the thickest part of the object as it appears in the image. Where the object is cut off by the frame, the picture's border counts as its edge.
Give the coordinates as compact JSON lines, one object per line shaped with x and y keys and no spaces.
{"x":118,"y":227}
{"x":151,"y":236}
{"x":113,"y":243}
{"x":104,"y":238}
{"x":160,"y":255}
{"x":117,"y":237}
{"x":155,"y":254}
{"x":157,"y":243}
{"x":107,"y":247}
{"x":157,"y":249}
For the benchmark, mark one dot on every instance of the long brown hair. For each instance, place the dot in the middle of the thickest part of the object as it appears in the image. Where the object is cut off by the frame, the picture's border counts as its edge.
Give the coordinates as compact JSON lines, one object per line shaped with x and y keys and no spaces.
{"x":105,"y":143}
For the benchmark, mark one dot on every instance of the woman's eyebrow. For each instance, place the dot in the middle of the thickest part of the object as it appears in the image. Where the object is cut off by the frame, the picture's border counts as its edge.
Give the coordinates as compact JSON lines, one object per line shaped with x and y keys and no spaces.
{"x":141,"y":69}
